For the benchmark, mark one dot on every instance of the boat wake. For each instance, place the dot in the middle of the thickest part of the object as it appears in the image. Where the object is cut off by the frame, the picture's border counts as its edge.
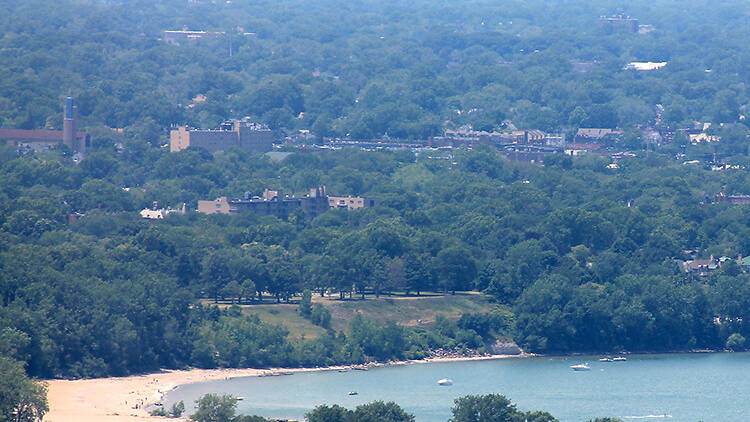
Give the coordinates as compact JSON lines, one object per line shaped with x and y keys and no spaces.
{"x":662,"y":416}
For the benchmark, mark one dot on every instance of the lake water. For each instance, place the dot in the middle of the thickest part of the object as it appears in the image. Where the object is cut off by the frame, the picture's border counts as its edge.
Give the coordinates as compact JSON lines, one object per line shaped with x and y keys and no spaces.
{"x":689,"y":387}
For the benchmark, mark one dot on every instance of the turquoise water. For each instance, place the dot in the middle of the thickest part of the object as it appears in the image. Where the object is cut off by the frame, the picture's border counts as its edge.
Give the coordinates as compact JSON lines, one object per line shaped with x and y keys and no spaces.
{"x":687,"y":387}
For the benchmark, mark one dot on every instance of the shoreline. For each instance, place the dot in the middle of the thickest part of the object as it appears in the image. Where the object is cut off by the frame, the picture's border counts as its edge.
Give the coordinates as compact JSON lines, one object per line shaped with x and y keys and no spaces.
{"x":114,"y":398}
{"x":128,"y":398}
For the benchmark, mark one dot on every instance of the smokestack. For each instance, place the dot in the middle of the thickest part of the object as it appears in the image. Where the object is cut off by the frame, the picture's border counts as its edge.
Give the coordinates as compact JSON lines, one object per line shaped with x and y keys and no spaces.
{"x":69,"y":123}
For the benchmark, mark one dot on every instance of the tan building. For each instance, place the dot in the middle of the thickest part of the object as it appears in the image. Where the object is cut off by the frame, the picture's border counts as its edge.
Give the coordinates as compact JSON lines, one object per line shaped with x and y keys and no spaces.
{"x":282,"y":206}
{"x":242,"y":134}
{"x":350,"y":202}
{"x":217,"y":206}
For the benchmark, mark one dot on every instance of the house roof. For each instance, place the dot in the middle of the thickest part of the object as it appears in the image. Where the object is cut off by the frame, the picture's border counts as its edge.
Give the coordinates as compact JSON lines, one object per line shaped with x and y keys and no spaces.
{"x":645,"y":65}
{"x":700,"y":263}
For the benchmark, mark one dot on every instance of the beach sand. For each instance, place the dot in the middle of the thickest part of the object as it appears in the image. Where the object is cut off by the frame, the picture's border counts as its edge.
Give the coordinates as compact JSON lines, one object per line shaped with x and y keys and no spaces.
{"x":126,"y":398}
{"x":123,"y":399}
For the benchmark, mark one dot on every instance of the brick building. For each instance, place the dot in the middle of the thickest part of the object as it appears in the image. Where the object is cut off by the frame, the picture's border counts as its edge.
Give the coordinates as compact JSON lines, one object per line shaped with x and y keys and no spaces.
{"x":242,"y":134}
{"x":38,"y":140}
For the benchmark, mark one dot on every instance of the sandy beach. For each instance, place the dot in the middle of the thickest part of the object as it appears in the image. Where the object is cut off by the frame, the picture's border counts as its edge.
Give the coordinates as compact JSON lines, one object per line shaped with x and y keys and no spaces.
{"x":126,"y":398}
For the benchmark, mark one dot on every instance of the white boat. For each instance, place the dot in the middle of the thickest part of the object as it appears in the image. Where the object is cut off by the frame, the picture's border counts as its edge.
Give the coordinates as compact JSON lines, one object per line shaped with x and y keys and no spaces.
{"x":445,"y":381}
{"x":606,"y":360}
{"x":620,"y":359}
{"x":353,"y":393}
{"x":580,"y":367}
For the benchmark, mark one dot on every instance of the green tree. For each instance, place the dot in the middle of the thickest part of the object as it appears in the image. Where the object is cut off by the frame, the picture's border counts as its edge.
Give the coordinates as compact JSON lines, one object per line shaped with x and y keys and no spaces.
{"x":539,"y":416}
{"x":232,"y":291}
{"x":215,"y":408}
{"x":379,"y":411}
{"x":305,"y":303}
{"x":736,"y":342}
{"x":320,"y":315}
{"x":248,"y":290}
{"x":177,"y":409}
{"x":486,"y":408}
{"x":325,"y":413}
{"x":21,"y":399}
{"x":456,"y":269}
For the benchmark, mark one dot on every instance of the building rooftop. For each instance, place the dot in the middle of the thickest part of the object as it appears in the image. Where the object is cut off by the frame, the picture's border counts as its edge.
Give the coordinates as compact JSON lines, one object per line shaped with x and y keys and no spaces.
{"x":645,"y":66}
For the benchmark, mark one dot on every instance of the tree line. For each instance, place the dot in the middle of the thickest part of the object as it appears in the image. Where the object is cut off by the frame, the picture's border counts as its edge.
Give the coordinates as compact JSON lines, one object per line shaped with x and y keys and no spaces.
{"x":471,"y":408}
{"x":405,"y":70}
{"x":583,"y":258}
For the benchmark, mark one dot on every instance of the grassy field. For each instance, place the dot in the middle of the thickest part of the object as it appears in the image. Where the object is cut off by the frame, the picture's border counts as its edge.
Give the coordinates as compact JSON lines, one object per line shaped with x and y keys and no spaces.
{"x":404,"y":310}
{"x":286,"y":315}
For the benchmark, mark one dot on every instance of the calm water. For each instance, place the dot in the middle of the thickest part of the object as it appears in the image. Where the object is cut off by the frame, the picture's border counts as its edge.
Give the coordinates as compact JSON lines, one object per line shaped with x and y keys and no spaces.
{"x":707,"y":387}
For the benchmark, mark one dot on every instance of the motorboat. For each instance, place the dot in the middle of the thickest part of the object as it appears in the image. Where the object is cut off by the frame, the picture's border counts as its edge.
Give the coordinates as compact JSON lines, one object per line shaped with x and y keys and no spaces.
{"x":580,"y":367}
{"x":353,"y":393}
{"x":445,"y":381}
{"x":240,"y":398}
{"x":620,"y":359}
{"x":606,"y":360}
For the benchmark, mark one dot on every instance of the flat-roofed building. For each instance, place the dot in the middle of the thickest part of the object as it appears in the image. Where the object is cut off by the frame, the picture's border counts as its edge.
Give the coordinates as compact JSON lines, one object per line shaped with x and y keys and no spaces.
{"x":180,"y":37}
{"x":645,"y":66}
{"x":242,"y":134}
{"x":282,"y":206}
{"x":351,"y":202}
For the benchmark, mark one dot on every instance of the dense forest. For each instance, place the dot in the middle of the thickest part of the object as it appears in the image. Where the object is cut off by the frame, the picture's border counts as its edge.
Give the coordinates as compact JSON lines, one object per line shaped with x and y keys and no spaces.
{"x":405,"y":69}
{"x":582,"y":255}
{"x":579,"y":256}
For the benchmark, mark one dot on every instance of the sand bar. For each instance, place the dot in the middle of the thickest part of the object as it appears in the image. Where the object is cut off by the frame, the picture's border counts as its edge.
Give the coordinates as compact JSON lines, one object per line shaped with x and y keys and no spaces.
{"x":125,"y":398}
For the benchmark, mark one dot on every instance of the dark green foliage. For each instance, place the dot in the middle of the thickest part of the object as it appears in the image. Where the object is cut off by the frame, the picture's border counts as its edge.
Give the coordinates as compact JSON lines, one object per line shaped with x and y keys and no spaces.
{"x":735,"y":342}
{"x":379,"y":411}
{"x":376,"y":411}
{"x":305,"y":305}
{"x":486,"y":408}
{"x":320,"y":315}
{"x":555,"y":71}
{"x":584,"y":257}
{"x":325,"y":413}
{"x":579,"y":269}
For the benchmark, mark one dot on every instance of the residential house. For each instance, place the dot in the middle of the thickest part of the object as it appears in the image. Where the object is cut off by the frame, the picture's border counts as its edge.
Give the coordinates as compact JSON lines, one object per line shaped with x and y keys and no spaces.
{"x":701,"y":267}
